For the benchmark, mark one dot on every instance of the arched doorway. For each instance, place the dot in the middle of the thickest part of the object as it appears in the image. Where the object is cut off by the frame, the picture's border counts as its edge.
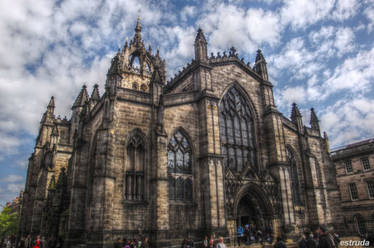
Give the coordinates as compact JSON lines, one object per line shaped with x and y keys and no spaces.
{"x":253,"y":207}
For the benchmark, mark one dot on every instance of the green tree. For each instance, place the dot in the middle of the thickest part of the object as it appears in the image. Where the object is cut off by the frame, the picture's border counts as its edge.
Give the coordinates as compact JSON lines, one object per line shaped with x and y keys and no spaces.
{"x":8,"y":222}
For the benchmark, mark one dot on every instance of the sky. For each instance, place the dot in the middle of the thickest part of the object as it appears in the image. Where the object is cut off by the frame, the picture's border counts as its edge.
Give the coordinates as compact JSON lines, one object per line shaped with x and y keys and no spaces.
{"x":319,"y":54}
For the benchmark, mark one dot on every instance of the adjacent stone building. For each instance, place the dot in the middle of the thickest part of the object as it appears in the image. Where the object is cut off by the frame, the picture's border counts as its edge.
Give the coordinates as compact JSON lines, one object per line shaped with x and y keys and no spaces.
{"x":355,"y":178}
{"x":202,"y":153}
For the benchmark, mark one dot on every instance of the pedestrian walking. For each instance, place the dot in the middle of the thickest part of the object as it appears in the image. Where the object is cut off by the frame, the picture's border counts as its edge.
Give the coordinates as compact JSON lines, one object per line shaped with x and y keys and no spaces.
{"x":221,"y":244}
{"x":280,"y":243}
{"x":37,"y":243}
{"x":326,"y":240}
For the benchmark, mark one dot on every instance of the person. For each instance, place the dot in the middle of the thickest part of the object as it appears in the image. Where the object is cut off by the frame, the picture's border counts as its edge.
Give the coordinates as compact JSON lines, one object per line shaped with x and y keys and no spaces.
{"x":184,"y":243}
{"x":37,"y":243}
{"x":247,"y":234}
{"x":240,"y":233}
{"x":21,"y":243}
{"x":337,"y":239}
{"x":220,"y":243}
{"x":211,"y":241}
{"x":28,"y":241}
{"x":280,"y":243}
{"x":302,"y":242}
{"x":145,"y":243}
{"x":325,"y":238}
{"x":118,"y":244}
{"x":310,"y":242}
{"x":205,"y":243}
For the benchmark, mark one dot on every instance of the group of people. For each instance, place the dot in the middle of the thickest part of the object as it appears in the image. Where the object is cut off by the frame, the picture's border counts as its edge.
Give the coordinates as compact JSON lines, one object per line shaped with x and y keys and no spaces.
{"x":322,"y":238}
{"x":211,"y":243}
{"x":248,"y":234}
{"x":132,"y":243}
{"x":29,"y":242}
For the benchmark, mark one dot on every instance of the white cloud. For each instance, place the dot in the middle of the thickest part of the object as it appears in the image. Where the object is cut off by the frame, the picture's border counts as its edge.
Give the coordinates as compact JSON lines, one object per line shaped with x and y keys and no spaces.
{"x":187,"y":12}
{"x":246,"y":30}
{"x":369,"y":13}
{"x":355,"y":74}
{"x":290,"y":95}
{"x":15,"y":188}
{"x":345,"y":9}
{"x":12,"y":179}
{"x":344,"y":41}
{"x":302,"y":13}
{"x":349,"y":120}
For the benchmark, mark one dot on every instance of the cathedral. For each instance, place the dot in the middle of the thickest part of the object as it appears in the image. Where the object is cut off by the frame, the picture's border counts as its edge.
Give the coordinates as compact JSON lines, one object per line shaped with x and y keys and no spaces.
{"x":202,"y":153}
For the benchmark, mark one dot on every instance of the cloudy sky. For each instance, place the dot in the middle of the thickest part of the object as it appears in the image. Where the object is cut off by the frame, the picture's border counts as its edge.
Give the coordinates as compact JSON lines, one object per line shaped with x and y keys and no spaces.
{"x":320,"y":54}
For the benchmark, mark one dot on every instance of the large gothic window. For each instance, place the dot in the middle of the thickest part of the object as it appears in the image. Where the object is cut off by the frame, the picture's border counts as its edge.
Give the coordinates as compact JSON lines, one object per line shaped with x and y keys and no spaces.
{"x":236,"y":131}
{"x":294,"y":177}
{"x":134,"y":177}
{"x":179,"y":168}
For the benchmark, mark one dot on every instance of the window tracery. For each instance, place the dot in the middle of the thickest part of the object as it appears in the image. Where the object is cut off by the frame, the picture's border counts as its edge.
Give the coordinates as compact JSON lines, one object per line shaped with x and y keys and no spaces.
{"x":294,"y":176}
{"x":134,"y":181}
{"x":236,"y":131}
{"x":179,"y":168}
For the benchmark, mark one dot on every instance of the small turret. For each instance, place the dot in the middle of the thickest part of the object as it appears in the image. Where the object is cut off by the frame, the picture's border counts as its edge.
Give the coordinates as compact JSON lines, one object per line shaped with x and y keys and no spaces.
{"x":48,"y":116}
{"x":200,"y":45}
{"x":81,"y":98}
{"x":51,"y":105}
{"x":327,"y":144}
{"x":260,"y":66}
{"x":314,"y":122}
{"x":95,"y":95}
{"x":296,"y":117}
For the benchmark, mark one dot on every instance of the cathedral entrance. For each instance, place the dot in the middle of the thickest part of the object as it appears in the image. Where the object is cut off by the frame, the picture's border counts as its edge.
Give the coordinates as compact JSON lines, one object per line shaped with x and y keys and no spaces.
{"x":253,"y":209}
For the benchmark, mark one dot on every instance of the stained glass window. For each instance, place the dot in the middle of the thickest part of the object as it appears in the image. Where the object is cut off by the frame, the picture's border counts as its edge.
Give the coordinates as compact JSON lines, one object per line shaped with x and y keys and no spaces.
{"x":294,"y":177}
{"x":236,"y":131}
{"x":134,"y":176}
{"x":179,"y":168}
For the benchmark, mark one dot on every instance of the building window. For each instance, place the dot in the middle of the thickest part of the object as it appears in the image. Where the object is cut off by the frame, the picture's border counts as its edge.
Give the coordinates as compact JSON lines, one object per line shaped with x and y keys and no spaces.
{"x":365,"y":163}
{"x":294,"y":177}
{"x":371,"y":189}
{"x":348,"y":166}
{"x":179,"y":168}
{"x":236,"y":131}
{"x":135,"y":86}
{"x":353,"y":191}
{"x":360,"y":224}
{"x":134,"y":176}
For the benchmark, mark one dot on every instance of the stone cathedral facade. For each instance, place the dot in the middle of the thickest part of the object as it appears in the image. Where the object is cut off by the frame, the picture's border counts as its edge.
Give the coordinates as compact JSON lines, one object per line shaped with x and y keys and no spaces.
{"x":202,"y":153}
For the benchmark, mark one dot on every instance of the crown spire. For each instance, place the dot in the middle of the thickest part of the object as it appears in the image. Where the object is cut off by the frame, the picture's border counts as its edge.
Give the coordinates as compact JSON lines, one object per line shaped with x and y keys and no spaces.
{"x":138,"y":29}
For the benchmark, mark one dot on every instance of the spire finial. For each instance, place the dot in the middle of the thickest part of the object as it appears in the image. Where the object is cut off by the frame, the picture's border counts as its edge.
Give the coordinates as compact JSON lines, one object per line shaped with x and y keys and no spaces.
{"x":314,"y":122}
{"x":138,"y":29}
{"x":51,"y":105}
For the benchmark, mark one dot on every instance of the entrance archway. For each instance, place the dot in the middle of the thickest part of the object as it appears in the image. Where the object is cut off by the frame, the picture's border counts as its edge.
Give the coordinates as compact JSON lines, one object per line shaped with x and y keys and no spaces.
{"x":253,"y":207}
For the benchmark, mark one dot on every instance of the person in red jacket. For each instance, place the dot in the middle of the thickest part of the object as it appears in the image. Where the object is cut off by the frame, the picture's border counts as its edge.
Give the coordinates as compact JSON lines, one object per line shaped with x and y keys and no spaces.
{"x":37,"y":243}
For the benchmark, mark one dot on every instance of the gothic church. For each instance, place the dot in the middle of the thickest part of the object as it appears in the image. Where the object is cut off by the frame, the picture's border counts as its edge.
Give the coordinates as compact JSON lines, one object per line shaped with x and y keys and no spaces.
{"x":202,"y":153}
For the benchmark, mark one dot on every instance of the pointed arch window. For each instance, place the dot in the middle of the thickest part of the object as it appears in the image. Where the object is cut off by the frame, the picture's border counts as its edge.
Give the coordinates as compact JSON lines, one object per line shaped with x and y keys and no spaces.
{"x":236,"y":131}
{"x":360,"y":224}
{"x":294,"y":176}
{"x":179,"y":168}
{"x":134,"y":181}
